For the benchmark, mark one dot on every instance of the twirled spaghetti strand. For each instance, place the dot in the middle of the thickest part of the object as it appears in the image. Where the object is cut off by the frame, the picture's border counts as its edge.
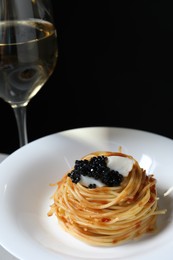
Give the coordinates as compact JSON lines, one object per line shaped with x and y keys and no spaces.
{"x":107,"y":216}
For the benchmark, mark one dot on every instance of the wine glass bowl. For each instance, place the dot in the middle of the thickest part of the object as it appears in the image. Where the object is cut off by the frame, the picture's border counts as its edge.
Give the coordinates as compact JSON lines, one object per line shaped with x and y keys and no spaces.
{"x":28,"y":54}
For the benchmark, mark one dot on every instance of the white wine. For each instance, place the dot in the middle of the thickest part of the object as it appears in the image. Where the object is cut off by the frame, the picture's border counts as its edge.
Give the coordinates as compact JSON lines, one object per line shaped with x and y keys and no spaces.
{"x":28,"y":55}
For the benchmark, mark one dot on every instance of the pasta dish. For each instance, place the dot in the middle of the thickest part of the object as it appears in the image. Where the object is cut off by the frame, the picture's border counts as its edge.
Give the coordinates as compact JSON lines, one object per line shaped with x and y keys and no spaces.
{"x":106,"y":199}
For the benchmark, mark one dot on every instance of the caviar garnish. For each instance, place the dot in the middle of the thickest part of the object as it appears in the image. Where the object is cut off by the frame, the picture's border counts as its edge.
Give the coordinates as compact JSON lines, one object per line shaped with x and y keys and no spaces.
{"x":96,"y":168}
{"x":92,"y":186}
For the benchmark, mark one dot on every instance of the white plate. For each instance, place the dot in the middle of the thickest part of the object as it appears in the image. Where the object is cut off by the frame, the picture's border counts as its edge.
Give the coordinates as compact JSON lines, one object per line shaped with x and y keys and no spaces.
{"x":27,"y":232}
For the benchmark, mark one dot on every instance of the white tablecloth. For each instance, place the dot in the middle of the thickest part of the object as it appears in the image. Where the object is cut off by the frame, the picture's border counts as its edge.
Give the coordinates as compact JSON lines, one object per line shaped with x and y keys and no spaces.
{"x":4,"y":255}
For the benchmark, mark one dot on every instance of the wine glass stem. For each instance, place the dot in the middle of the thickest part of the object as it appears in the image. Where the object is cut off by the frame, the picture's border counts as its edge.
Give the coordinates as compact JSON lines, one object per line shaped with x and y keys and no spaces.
{"x":20,"y":114}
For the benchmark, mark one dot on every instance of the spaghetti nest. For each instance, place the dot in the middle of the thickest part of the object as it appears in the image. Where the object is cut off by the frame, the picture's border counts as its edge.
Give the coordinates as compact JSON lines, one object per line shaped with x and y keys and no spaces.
{"x":106,"y":216}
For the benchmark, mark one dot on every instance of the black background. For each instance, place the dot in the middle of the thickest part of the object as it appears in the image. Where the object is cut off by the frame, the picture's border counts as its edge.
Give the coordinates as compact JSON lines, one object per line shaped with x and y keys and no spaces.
{"x":115,"y":68}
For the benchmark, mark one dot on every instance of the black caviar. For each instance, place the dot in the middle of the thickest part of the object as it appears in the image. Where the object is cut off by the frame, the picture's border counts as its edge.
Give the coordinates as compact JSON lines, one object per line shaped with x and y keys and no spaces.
{"x":96,"y":168}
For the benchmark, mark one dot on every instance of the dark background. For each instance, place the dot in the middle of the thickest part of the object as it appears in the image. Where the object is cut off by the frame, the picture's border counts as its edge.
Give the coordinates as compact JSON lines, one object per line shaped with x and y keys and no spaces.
{"x":115,"y":68}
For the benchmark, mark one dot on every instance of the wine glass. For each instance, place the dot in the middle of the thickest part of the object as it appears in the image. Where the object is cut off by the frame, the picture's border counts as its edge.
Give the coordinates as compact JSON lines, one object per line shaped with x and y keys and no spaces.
{"x":28,"y":54}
